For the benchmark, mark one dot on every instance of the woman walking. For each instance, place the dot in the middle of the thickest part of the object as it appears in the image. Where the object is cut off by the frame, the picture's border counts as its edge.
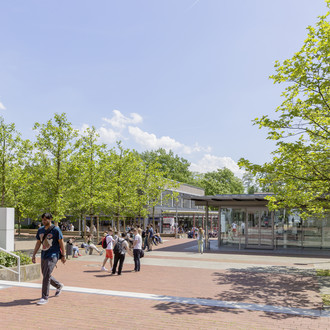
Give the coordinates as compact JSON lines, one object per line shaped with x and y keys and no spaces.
{"x":200,"y":240}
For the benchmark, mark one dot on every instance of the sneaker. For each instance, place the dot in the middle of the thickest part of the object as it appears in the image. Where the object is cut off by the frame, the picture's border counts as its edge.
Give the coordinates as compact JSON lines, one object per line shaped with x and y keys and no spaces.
{"x":103,"y":269}
{"x":58,"y":291}
{"x":42,"y":301}
{"x":79,"y":255}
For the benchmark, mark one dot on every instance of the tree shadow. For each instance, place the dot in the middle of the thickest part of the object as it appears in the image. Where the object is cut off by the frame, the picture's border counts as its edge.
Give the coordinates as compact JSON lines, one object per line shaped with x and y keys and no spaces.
{"x":275,"y":285}
{"x":178,"y":247}
{"x":278,"y":286}
{"x":188,"y":309}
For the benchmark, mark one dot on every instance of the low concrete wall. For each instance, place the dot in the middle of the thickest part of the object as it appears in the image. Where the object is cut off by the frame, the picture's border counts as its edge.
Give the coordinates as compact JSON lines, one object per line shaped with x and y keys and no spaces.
{"x":28,"y":273}
{"x":34,"y":232}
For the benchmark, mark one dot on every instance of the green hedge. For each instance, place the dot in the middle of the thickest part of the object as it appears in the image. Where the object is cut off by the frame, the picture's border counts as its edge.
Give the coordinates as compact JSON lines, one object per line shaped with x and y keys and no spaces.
{"x":8,"y":260}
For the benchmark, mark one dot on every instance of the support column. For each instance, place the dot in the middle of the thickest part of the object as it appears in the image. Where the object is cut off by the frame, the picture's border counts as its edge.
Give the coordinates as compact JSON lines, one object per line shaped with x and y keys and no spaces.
{"x":206,"y":226}
{"x":246,"y":227}
{"x":219,"y":227}
{"x":7,"y":228}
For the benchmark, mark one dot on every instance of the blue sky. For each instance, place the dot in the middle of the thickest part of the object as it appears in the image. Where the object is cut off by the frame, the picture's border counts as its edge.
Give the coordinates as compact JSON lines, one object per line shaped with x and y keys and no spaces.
{"x":184,"y":75}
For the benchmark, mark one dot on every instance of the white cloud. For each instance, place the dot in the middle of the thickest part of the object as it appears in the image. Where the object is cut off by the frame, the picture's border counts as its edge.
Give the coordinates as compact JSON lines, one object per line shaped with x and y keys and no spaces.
{"x":108,"y":135}
{"x":211,"y":163}
{"x":150,"y":140}
{"x":119,"y":121}
{"x":2,"y":107}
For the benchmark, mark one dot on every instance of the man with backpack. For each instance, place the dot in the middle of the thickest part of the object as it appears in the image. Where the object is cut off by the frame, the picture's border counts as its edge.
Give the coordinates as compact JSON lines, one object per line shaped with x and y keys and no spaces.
{"x":50,"y":239}
{"x":107,"y":244}
{"x":120,"y":249}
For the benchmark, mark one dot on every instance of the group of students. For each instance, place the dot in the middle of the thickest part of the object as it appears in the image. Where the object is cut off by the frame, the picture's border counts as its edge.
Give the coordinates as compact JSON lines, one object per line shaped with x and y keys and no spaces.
{"x":116,"y":248}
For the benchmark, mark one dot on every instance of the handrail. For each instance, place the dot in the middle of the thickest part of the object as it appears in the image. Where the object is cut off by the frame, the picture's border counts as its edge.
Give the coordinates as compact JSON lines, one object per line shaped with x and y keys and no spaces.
{"x":18,"y":272}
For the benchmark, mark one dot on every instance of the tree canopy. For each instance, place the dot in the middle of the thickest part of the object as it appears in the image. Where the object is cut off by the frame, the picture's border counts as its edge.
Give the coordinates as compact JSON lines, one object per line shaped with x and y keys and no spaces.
{"x":222,"y":181}
{"x":299,"y":173}
{"x":174,"y":167}
{"x":69,"y":173}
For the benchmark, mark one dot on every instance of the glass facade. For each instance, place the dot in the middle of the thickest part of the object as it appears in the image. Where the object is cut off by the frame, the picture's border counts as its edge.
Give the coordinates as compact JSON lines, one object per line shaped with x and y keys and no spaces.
{"x":260,"y":228}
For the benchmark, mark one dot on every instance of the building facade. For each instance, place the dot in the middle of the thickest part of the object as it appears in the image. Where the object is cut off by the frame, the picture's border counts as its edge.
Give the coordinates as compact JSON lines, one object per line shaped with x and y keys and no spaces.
{"x":246,"y":222}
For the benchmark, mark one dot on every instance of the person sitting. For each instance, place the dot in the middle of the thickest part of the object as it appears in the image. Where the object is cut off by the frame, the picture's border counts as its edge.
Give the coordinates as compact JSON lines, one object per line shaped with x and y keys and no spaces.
{"x":90,"y":246}
{"x":75,"y":248}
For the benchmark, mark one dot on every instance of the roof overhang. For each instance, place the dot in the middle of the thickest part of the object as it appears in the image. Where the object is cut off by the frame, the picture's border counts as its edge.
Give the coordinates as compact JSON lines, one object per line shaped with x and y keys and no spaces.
{"x":232,"y":200}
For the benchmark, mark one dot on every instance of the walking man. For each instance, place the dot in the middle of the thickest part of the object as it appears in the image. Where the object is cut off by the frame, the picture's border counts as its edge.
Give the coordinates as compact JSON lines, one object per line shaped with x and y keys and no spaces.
{"x":50,"y":239}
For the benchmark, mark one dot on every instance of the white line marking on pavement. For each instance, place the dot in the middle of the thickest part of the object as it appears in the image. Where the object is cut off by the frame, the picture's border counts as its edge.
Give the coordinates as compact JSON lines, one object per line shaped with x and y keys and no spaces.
{"x":182,"y":300}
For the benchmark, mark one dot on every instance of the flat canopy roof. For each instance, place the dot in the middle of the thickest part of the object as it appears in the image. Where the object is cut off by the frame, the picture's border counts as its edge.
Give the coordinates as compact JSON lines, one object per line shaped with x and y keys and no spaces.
{"x":232,"y":200}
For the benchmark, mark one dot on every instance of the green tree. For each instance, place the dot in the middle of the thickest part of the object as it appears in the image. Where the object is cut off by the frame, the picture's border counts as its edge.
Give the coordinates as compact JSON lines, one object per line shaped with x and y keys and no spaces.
{"x":249,"y":183}
{"x":13,"y":156}
{"x":121,"y":179}
{"x":299,"y":173}
{"x":222,"y":181}
{"x":87,"y":175}
{"x":86,"y":192}
{"x":174,"y":167}
{"x":55,"y":141}
{"x":153,"y":184}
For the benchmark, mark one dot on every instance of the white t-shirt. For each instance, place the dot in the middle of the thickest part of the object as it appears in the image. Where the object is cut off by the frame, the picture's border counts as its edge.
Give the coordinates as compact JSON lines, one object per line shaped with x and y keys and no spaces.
{"x":138,"y":245}
{"x":110,"y":241}
{"x":124,"y":245}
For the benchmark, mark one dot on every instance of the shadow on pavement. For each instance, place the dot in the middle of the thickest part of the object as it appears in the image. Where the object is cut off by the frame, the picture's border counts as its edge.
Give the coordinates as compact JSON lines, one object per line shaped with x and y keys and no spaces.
{"x":276,"y":286}
{"x":19,"y":302}
{"x":177,"y":247}
{"x":187,"y":309}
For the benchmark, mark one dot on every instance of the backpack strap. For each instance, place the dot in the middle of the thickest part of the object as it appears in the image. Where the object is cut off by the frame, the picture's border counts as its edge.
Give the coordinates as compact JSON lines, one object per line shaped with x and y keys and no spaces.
{"x":106,"y":241}
{"x":47,"y":232}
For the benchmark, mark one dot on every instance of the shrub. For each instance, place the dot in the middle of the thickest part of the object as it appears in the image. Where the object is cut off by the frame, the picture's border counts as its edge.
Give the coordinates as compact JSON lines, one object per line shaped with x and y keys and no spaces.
{"x":8,"y":260}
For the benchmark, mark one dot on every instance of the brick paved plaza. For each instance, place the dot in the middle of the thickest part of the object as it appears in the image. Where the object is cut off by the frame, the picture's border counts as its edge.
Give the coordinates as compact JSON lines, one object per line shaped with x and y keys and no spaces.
{"x":176,"y":288}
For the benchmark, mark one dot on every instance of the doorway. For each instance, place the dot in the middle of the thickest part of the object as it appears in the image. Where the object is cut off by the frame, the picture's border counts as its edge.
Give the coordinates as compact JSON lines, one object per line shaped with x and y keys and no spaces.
{"x":259,"y":229}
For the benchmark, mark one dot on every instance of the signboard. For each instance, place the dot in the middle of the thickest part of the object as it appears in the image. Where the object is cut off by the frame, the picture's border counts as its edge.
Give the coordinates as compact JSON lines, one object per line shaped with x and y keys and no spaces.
{"x":168,"y":225}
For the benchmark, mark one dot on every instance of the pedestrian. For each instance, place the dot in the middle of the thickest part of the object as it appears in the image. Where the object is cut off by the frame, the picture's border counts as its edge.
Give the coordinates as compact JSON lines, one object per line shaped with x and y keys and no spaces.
{"x":150,"y":237}
{"x":108,"y":250}
{"x":234,"y":228}
{"x":90,"y":246}
{"x":50,"y":239}
{"x":120,"y":249}
{"x":243,"y":227}
{"x":200,"y":240}
{"x":137,"y":249}
{"x":145,"y":235}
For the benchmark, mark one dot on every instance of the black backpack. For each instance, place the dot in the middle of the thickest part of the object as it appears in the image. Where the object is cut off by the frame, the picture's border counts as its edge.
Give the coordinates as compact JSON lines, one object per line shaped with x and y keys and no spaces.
{"x":118,"y":249}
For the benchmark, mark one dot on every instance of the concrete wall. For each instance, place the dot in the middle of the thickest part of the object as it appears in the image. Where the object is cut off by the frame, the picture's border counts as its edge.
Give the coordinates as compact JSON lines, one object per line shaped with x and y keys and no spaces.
{"x":7,"y":228}
{"x":28,"y":273}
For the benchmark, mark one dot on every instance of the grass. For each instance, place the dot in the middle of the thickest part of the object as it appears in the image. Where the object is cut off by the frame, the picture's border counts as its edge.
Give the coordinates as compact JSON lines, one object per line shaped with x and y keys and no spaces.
{"x":326,"y":299}
{"x":323,"y":272}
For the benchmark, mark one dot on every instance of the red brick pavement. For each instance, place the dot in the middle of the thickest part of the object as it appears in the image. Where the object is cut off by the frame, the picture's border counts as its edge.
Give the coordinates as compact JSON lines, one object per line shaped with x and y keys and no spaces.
{"x":90,"y":311}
